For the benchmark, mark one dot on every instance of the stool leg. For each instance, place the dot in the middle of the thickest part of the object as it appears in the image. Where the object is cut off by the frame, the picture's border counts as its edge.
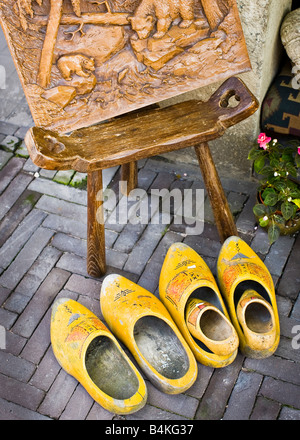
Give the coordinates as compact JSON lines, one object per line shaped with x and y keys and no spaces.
{"x":129,"y":174}
{"x":223,"y":216}
{"x":96,"y":261}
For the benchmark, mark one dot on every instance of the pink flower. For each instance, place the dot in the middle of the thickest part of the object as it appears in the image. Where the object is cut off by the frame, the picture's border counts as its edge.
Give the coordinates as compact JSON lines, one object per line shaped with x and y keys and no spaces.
{"x":263,"y":140}
{"x":299,"y":150}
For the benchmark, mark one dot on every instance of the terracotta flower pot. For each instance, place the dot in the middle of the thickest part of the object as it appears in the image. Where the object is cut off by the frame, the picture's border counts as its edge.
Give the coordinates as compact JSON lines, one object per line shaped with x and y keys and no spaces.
{"x":291,"y":226}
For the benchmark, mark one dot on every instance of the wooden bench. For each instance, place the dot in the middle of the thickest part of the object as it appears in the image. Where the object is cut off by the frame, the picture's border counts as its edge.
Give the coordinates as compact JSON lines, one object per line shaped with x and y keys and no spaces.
{"x":71,"y":94}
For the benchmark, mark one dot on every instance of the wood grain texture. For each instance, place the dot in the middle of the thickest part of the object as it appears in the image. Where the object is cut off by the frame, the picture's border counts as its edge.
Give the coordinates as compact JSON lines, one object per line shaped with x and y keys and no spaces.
{"x":81,"y":61}
{"x":221,"y":210}
{"x":45,"y":65}
{"x":96,"y":261}
{"x":129,"y":177}
{"x":142,"y":134}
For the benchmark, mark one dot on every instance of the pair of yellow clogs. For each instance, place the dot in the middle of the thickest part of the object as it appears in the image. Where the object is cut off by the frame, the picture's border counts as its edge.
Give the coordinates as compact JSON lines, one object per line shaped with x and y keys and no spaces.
{"x":167,"y":337}
{"x":90,"y":352}
{"x":195,"y":301}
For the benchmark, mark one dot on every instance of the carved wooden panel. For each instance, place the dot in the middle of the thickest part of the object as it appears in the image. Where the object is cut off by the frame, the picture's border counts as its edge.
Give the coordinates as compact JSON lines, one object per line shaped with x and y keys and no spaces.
{"x":84,"y":61}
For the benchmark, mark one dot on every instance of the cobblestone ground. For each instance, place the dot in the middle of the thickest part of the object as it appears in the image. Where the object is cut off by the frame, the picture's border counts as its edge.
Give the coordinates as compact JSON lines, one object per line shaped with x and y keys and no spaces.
{"x":43,"y":256}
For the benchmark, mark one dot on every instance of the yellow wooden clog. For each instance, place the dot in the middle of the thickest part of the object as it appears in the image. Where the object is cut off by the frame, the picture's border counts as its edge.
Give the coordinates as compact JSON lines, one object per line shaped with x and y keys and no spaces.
{"x":240,"y":270}
{"x":185,"y":275}
{"x":257,"y":320}
{"x":208,"y":324}
{"x":87,"y":350}
{"x":144,"y":325}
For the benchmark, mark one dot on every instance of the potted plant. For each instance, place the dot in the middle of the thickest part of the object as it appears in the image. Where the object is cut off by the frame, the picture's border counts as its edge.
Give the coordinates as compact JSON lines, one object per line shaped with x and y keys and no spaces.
{"x":278,"y":198}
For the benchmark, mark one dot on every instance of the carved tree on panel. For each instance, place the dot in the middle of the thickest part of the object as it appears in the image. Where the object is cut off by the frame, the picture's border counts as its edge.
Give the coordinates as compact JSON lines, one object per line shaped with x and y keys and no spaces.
{"x":25,"y":8}
{"x":213,"y":12}
{"x":56,"y":9}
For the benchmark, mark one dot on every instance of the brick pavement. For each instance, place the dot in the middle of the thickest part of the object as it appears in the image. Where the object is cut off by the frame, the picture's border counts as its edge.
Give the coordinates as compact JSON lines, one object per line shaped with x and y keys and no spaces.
{"x":43,"y":256}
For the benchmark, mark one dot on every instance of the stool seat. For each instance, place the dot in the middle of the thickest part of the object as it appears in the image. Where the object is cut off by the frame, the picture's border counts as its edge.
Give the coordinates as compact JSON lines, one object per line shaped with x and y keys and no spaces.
{"x":143,"y":133}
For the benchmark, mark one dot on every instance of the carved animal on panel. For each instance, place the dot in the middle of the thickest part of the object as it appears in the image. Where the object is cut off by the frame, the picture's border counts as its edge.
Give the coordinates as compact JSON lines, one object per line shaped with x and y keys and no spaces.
{"x":78,"y":64}
{"x":163,"y":13}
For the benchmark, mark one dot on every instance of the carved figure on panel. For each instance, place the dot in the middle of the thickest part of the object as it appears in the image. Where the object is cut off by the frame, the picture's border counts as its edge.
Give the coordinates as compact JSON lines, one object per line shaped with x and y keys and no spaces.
{"x":83,"y":61}
{"x":77,"y":64}
{"x":164,"y":13}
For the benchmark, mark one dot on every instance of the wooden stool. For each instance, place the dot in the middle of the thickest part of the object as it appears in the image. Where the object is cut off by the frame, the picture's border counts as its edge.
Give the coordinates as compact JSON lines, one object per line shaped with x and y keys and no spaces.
{"x":138,"y":135}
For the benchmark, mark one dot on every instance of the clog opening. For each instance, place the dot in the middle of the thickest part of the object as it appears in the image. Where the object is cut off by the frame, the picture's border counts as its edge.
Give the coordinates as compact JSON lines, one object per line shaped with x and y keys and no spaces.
{"x":161,"y":347}
{"x":214,"y":326}
{"x":207,"y":294}
{"x":250,"y":285}
{"x":258,"y":318}
{"x":109,"y":370}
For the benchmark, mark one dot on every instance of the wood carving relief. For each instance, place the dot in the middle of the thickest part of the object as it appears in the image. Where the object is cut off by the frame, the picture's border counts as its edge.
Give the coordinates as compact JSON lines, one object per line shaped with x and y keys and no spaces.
{"x":84,"y":61}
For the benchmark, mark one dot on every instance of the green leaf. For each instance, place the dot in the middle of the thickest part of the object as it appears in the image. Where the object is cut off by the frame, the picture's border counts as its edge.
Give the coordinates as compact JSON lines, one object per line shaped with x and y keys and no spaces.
{"x":279,"y":219}
{"x":297,"y":160}
{"x":291,"y":169}
{"x":297,"y":202}
{"x":295,"y":194}
{"x":275,"y":155}
{"x":259,"y":164}
{"x":287,"y":210}
{"x":272,"y":179}
{"x":286,"y":157}
{"x":273,"y":233}
{"x":280,"y":185}
{"x":260,"y":210}
{"x":288,"y":150}
{"x":268,"y":191}
{"x":271,"y":199}
{"x":263,"y":223}
{"x":267,"y":171}
{"x":275,"y":163}
{"x":254,"y":153}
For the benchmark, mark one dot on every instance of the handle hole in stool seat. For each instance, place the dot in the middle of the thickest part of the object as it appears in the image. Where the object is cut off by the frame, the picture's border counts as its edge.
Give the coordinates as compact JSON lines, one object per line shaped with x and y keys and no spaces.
{"x":230,"y":99}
